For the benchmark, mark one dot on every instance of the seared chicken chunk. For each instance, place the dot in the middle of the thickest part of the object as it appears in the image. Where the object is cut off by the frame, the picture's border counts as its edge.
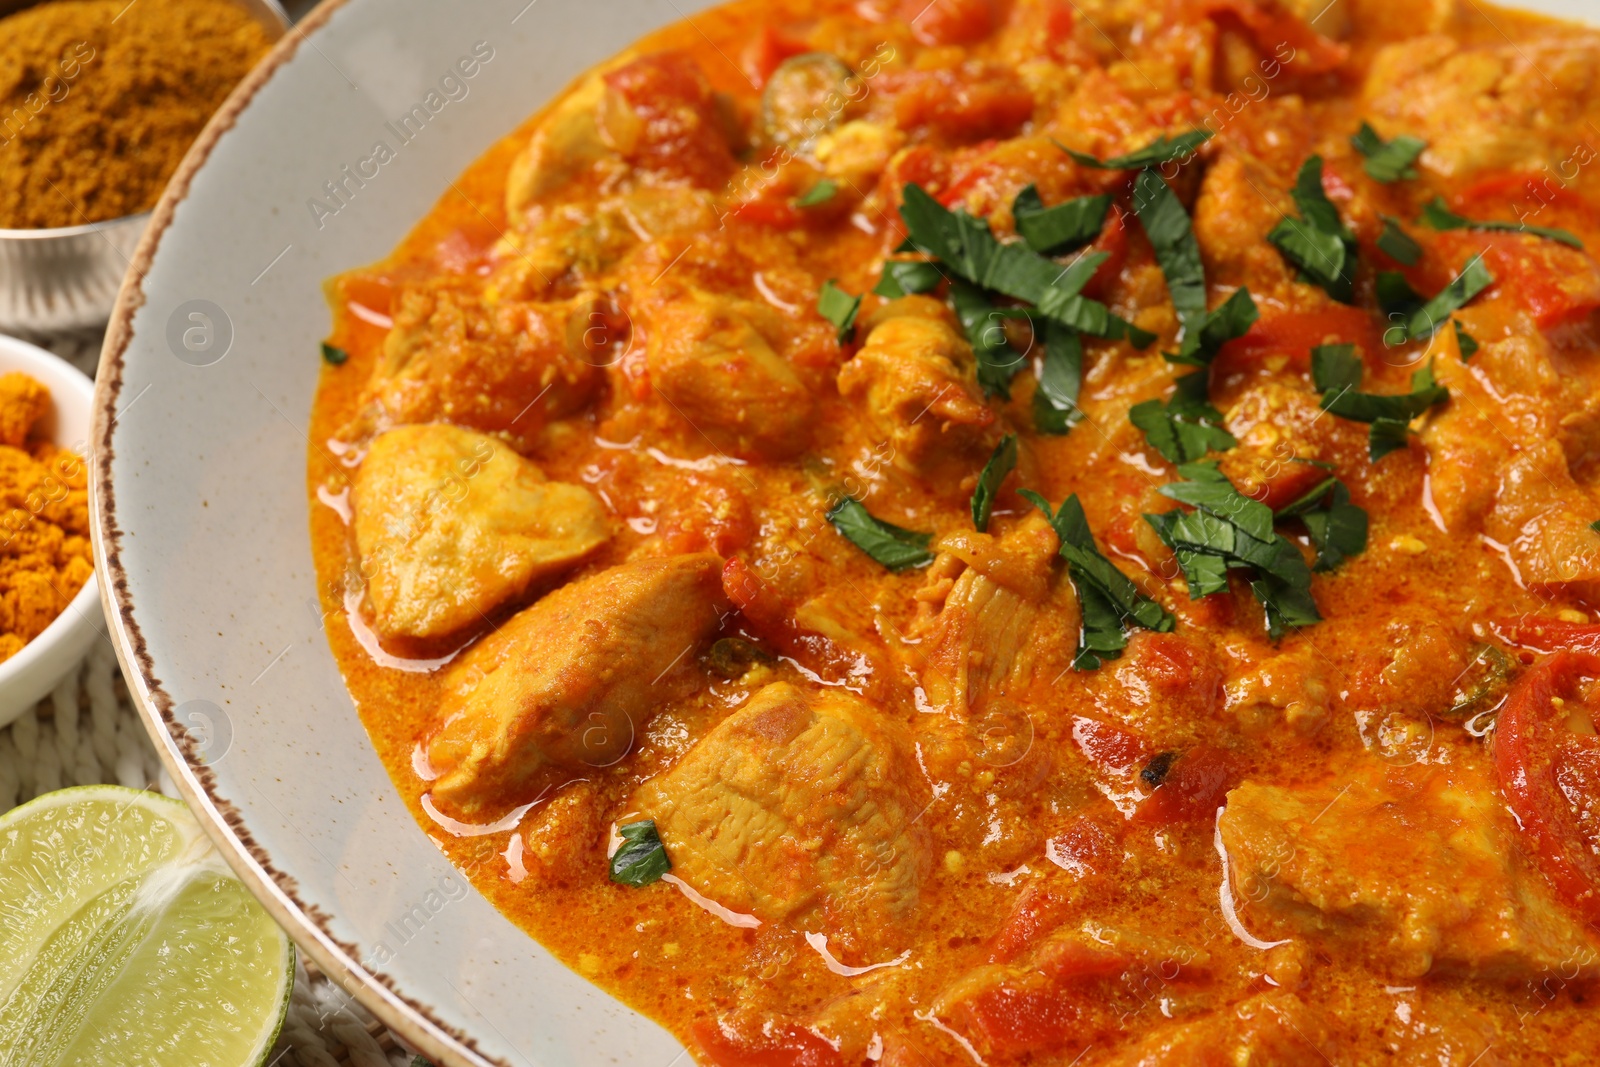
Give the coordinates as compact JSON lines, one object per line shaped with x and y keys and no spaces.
{"x":452,"y":524}
{"x":718,"y":370}
{"x":1543,"y":518}
{"x":561,"y":688}
{"x":1489,"y":107}
{"x":1421,"y":868}
{"x":510,"y":367}
{"x":919,"y":380}
{"x":799,"y":808}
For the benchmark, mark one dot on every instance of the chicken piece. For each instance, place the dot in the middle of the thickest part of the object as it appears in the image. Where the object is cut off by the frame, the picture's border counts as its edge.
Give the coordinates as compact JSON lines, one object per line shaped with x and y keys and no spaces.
{"x":711,"y":362}
{"x":983,"y":644}
{"x":1543,"y":518}
{"x":919,"y":380}
{"x":451,"y":524}
{"x":505,"y":368}
{"x":800,"y":808}
{"x":562,"y":688}
{"x":23,"y":402}
{"x":654,"y":115}
{"x":1485,"y":108}
{"x":1272,"y":1029}
{"x":1419,"y":871}
{"x":1238,"y":205}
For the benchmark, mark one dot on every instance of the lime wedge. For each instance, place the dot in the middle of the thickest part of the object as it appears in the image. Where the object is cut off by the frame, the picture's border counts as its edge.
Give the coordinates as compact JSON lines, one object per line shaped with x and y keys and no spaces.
{"x":125,"y":939}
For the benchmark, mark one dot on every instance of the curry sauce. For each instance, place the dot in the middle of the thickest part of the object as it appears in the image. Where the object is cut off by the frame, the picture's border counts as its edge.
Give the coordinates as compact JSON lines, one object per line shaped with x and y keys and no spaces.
{"x":1070,"y":522}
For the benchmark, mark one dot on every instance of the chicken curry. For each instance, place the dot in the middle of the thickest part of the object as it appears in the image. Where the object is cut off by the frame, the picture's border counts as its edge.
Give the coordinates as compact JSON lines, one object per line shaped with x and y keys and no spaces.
{"x":1008,"y":531}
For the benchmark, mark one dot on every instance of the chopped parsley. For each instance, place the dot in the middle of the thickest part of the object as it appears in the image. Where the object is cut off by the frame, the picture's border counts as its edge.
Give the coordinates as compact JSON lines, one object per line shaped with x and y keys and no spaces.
{"x":1163,"y":149}
{"x":1186,"y":427}
{"x":1055,"y":401}
{"x":1419,"y":319}
{"x":1388,"y":161}
{"x":1171,"y":235}
{"x":1001,"y":462}
{"x":1337,"y":371}
{"x":894,"y":547}
{"x":1228,"y":531}
{"x":641,"y":858}
{"x":819,"y":193}
{"x":1318,"y":242}
{"x":967,"y":248}
{"x":1440,"y":217}
{"x":1108,"y":601}
{"x":333,"y":355}
{"x":1397,"y":244}
{"x":982,"y":322}
{"x":1229,"y":320}
{"x":839,"y":308}
{"x":1336,"y":527}
{"x":1062,"y":228}
{"x":902,"y":277}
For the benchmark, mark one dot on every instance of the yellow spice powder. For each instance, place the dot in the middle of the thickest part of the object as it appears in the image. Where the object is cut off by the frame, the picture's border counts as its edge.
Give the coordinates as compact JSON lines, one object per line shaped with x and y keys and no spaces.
{"x":45,"y":555}
{"x":99,"y":100}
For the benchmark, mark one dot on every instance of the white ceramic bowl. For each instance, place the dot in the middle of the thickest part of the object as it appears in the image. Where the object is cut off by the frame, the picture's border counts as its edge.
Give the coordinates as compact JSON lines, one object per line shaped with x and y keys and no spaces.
{"x":45,"y":660}
{"x":203,"y":399}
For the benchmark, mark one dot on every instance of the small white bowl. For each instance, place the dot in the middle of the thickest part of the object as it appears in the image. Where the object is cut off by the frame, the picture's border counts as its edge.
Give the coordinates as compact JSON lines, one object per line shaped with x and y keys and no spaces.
{"x":45,"y":660}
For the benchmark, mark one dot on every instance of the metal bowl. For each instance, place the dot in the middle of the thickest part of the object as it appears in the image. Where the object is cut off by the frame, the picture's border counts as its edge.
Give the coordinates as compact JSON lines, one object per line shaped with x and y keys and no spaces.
{"x":66,"y":277}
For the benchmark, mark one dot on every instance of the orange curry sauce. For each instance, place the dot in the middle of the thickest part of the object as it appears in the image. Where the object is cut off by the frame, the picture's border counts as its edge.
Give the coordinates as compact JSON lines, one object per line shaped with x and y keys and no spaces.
{"x":921,"y":836}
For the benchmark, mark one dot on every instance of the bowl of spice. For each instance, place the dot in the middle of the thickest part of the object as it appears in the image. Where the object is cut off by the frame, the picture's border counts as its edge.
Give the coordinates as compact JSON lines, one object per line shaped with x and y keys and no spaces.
{"x":49,"y":603}
{"x":99,"y":101}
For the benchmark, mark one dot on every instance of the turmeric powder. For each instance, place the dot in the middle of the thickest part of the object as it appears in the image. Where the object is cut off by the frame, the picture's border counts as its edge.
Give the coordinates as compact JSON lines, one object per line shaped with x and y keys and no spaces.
{"x":44,"y":518}
{"x":100,"y":99}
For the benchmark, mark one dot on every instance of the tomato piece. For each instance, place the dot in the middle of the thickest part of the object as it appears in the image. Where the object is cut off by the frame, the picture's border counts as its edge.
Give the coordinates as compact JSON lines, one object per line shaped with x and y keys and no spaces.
{"x":1110,"y":748}
{"x":1293,"y":334}
{"x":963,"y":105}
{"x":1020,"y":1009}
{"x":1271,"y":28}
{"x":949,"y":21}
{"x":765,"y":52}
{"x":1556,"y":284}
{"x":771,"y":1046}
{"x":1038,"y":911}
{"x":1536,"y":199}
{"x":1192,"y":787}
{"x":1113,"y":241}
{"x":1550,"y":635}
{"x":1550,"y":775}
{"x":778,"y":214}
{"x":1052,"y":20}
{"x":681,"y":133}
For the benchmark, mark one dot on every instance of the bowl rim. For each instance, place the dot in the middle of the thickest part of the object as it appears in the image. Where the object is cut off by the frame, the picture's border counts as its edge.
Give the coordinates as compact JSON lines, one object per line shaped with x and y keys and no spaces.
{"x":79,"y":611}
{"x":179,"y":750}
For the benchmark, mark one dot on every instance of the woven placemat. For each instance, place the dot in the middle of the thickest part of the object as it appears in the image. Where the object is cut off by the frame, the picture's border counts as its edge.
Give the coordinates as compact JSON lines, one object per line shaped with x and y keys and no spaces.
{"x":87,"y":732}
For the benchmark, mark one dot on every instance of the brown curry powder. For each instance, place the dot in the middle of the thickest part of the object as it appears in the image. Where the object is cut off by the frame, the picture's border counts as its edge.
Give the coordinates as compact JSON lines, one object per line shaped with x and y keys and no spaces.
{"x":44,"y":518}
{"x":99,"y":100}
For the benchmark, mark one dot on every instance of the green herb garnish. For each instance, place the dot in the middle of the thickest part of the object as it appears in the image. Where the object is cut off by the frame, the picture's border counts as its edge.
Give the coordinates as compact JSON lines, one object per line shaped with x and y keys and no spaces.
{"x":1186,"y":427}
{"x":1229,"y":320}
{"x":1055,"y":401}
{"x":1227,"y":531}
{"x":893,"y":546}
{"x":1318,"y":243}
{"x":1440,"y":217}
{"x":1465,"y":341}
{"x":1336,"y":527}
{"x":839,"y":308}
{"x":1397,"y":244}
{"x":1167,"y":226}
{"x":1337,"y":371}
{"x":333,"y":355}
{"x":1001,"y":462}
{"x":1419,"y":319}
{"x":1108,"y":601}
{"x":902,"y":277}
{"x":1388,"y":161}
{"x":819,"y":193}
{"x":1163,"y":149}
{"x":982,"y":322}
{"x":1062,"y":228}
{"x":970,"y":251}
{"x":641,"y":858}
